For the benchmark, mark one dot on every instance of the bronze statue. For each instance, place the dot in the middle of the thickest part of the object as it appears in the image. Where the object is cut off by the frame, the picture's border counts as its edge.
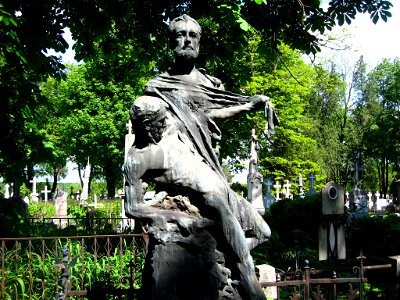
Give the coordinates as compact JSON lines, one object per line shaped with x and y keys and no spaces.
{"x":176,"y":131}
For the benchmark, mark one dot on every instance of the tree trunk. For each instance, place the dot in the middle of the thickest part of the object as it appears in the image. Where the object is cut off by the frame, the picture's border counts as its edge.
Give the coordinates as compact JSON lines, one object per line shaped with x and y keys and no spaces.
{"x":111,"y":181}
{"x":56,"y":170}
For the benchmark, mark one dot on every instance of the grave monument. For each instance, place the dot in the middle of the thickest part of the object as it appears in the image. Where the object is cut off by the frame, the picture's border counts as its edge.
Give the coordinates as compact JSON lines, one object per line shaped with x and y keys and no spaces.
{"x":268,"y":199}
{"x":34,"y":194}
{"x":254,"y":178}
{"x":61,"y":207}
{"x":200,"y":231}
{"x":331,"y":240}
{"x":358,"y":198}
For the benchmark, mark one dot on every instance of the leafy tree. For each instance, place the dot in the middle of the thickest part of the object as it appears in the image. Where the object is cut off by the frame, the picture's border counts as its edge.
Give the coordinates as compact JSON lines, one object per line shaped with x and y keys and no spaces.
{"x":379,"y":109}
{"x":22,"y":64}
{"x":92,"y":112}
{"x":288,"y":81}
{"x":30,"y":28}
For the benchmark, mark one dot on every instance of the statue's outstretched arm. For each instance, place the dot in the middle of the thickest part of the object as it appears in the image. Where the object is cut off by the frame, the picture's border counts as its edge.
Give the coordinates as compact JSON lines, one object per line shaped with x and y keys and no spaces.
{"x":255,"y":103}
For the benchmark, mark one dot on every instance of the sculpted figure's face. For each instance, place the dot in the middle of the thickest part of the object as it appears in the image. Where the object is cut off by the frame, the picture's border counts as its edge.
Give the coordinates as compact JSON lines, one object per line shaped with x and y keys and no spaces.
{"x":186,"y":40}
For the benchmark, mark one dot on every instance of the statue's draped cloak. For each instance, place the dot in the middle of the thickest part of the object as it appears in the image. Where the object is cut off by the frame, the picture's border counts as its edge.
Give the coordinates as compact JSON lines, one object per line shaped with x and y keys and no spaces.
{"x":191,"y":103}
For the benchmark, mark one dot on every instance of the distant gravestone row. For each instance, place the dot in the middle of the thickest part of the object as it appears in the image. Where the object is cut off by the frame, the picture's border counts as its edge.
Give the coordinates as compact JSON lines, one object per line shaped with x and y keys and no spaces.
{"x":280,"y":192}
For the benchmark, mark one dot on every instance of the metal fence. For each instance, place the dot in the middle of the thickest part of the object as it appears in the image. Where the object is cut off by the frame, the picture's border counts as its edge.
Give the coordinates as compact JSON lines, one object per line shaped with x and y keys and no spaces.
{"x":117,"y":224}
{"x":59,"y":267}
{"x":301,"y":284}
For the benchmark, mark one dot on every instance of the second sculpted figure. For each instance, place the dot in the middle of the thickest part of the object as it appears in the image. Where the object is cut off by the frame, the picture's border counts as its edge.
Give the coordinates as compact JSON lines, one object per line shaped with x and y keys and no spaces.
{"x":176,"y":130}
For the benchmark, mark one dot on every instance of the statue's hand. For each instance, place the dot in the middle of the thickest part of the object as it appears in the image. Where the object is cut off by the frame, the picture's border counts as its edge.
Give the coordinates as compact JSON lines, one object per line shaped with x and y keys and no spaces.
{"x":259,"y":101}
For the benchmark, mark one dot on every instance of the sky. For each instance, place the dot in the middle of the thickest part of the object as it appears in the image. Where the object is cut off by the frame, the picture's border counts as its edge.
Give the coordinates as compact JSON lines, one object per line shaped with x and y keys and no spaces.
{"x":374,"y":41}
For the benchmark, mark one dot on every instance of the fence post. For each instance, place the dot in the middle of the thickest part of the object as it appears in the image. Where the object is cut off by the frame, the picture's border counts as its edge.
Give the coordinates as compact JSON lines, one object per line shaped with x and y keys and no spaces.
{"x":361,"y":258}
{"x":278,"y":290}
{"x":307,"y":277}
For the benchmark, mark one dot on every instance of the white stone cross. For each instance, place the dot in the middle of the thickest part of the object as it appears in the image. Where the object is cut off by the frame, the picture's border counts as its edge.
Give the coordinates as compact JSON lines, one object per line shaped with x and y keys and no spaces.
{"x":268,"y":184}
{"x":287,"y":186}
{"x":129,"y":125}
{"x":377,"y":195}
{"x":45,"y":192}
{"x":277,"y":187}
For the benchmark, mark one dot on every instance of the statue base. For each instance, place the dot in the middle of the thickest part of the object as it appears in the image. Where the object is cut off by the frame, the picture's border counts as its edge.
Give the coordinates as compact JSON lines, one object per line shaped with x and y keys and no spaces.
{"x":184,"y":261}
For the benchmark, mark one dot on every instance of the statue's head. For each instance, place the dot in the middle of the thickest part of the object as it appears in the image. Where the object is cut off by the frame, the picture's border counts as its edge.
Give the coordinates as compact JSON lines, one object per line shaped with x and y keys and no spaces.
{"x":185,"y":35}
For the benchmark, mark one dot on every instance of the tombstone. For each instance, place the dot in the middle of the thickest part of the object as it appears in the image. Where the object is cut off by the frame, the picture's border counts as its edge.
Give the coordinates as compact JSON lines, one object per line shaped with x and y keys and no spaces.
{"x":85,"y":188}
{"x":311,"y":179}
{"x":268,"y":199}
{"x":7,"y":193}
{"x":45,"y":192}
{"x":371,"y":204}
{"x":332,"y":244}
{"x":358,"y":204}
{"x":301,"y":185}
{"x":34,"y":194}
{"x":254,"y":178}
{"x":277,"y":187}
{"x":287,"y":193}
{"x":61,"y":207}
{"x":266,"y":273}
{"x":381,"y":203}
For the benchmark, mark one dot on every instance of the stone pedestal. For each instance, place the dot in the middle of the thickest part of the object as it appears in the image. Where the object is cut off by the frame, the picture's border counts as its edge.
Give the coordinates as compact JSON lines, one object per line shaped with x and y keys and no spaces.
{"x":184,"y":262}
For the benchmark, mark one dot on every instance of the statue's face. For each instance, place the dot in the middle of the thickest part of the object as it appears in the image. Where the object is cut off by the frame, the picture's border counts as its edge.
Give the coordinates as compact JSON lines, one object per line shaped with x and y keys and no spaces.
{"x":186,"y":40}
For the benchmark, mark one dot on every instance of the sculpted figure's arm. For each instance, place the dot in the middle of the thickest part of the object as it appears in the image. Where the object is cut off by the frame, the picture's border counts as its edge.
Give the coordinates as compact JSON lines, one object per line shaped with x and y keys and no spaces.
{"x":256,"y":102}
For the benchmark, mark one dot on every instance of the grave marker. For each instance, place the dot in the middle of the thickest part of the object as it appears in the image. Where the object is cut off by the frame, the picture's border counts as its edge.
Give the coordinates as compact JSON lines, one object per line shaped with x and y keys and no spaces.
{"x":332,"y":244}
{"x":34,"y":194}
{"x":7,"y":193}
{"x":254,"y":178}
{"x":287,"y":186}
{"x":277,"y":187}
{"x":268,"y":199}
{"x":45,"y":192}
{"x":61,"y":206}
{"x":301,"y":185}
{"x":311,"y":178}
{"x":358,"y":202}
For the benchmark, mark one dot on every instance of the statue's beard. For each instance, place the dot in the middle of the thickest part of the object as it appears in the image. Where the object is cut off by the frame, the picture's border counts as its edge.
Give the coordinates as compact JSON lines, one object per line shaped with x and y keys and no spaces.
{"x":186,"y":54}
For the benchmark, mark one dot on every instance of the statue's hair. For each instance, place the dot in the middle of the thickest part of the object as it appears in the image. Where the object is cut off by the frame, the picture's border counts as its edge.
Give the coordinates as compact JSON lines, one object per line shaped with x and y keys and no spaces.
{"x":183,"y":18}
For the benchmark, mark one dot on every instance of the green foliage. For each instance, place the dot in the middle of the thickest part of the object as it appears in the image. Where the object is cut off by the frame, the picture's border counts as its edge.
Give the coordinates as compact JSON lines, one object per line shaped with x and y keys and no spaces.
{"x":362,"y":231}
{"x":289,"y":82}
{"x":41,"y":210}
{"x":92,"y":110}
{"x":12,"y":217}
{"x":294,"y":224}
